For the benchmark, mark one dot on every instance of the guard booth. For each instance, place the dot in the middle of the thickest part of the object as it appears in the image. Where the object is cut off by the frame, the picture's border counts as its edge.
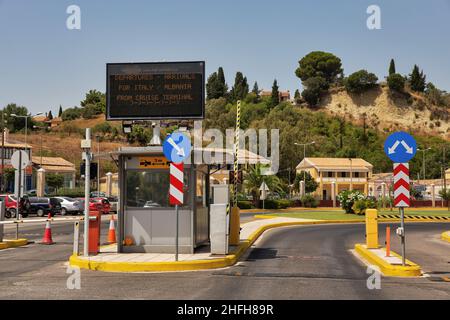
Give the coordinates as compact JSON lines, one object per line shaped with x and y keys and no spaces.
{"x":146,"y":221}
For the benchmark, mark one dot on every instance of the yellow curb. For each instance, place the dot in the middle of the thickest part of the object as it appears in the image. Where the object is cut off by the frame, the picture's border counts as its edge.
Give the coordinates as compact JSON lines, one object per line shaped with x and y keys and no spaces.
{"x":411,"y":270}
{"x":13,"y":243}
{"x":227,"y":261}
{"x":446,"y":236}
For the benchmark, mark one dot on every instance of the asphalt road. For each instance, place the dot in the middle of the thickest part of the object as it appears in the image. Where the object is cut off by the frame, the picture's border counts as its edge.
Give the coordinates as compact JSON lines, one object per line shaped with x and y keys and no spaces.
{"x":307,"y":262}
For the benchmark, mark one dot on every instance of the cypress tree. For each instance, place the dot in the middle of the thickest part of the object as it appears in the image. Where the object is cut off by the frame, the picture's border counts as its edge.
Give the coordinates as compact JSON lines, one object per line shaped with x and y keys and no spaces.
{"x":255,"y":89}
{"x":240,"y":88}
{"x":60,"y":111}
{"x":222,"y":87}
{"x":275,"y":99}
{"x":212,"y":91}
{"x":50,"y":115}
{"x":392,"y":67}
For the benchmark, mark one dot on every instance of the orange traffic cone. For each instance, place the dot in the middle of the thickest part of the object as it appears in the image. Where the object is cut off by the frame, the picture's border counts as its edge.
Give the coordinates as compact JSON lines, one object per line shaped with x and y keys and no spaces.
{"x":48,"y":232}
{"x":112,"y":231}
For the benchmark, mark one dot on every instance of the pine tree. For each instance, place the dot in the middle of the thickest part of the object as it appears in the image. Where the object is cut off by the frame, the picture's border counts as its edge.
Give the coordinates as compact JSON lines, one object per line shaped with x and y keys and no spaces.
{"x":417,"y":80}
{"x":60,"y":111}
{"x":392,"y":67}
{"x":275,"y":99}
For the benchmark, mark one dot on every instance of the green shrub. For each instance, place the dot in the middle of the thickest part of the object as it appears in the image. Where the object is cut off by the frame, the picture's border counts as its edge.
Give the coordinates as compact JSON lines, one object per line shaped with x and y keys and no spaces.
{"x":347,"y":198}
{"x":245,"y":204}
{"x":360,"y":81}
{"x":276,"y":204}
{"x":308,"y":201}
{"x":314,"y":88}
{"x":269,"y":204}
{"x":360,"y":206}
{"x":71,"y":114}
{"x":283,"y":203}
{"x":396,"y":82}
{"x":73,"y":193}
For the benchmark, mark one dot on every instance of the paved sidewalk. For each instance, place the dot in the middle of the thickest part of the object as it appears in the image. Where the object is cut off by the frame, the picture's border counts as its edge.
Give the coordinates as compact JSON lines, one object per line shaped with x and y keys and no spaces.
{"x":109,"y":253}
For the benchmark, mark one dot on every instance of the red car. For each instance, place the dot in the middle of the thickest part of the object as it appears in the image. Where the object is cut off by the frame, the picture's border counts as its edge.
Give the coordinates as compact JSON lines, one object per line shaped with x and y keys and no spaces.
{"x":102,"y":203}
{"x":11,"y":205}
{"x":97,"y":204}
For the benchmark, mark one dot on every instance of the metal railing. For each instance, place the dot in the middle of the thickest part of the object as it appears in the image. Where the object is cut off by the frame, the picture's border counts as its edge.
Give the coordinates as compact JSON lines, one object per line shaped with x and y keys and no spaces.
{"x":20,"y":221}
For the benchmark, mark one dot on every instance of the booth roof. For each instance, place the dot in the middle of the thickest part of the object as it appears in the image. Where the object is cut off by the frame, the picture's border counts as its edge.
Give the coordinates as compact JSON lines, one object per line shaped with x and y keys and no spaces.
{"x":244,"y":156}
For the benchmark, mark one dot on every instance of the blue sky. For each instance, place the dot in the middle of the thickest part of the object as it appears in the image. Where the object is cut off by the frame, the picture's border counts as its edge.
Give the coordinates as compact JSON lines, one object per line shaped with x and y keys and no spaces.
{"x":43,"y":64}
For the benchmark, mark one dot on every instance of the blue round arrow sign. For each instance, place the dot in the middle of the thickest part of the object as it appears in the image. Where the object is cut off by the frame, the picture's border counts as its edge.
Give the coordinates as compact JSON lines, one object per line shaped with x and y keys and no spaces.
{"x":400,"y":147}
{"x":177,"y":147}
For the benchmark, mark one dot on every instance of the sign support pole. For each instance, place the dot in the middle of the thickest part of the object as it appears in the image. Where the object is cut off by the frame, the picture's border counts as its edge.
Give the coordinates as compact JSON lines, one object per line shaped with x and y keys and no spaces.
{"x":177,"y":233}
{"x":402,"y":225}
{"x":87,"y":180}
{"x":19,"y":188}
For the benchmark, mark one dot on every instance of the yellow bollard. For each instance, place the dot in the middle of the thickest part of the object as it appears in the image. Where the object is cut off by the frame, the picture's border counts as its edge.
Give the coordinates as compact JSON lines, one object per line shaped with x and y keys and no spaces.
{"x":372,"y":228}
{"x":235,"y":227}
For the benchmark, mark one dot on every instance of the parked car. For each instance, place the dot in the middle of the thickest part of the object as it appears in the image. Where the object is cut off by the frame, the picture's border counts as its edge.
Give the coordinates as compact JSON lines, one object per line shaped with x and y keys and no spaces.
{"x":97,"y":194}
{"x":43,"y":206}
{"x":94,"y":205}
{"x":104,"y":205}
{"x":11,"y":205}
{"x":69,"y":205}
{"x":151,"y":204}
{"x":114,"y":202}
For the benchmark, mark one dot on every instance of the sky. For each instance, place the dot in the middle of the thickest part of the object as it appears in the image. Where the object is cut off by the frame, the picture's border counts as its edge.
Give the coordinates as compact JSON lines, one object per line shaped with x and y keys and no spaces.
{"x":43,"y":64}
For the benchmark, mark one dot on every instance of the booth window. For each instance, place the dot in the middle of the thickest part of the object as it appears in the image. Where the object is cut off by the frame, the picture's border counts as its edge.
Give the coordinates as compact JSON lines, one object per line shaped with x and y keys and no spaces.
{"x":147,"y":189}
{"x":150,"y":189}
{"x":201,"y":189}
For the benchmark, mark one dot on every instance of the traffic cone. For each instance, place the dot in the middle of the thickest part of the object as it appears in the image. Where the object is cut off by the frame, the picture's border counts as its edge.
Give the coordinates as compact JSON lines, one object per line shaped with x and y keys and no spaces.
{"x":48,"y":232}
{"x":112,"y":231}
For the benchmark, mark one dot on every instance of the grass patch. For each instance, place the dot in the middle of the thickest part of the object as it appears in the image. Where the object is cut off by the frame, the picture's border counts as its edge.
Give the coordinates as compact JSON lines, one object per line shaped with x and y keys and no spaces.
{"x":340,"y":215}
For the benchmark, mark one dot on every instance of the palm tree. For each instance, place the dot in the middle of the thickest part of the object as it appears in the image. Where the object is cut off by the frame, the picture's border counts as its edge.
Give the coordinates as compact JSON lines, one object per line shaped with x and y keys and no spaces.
{"x":445,"y":194}
{"x":253,"y":179}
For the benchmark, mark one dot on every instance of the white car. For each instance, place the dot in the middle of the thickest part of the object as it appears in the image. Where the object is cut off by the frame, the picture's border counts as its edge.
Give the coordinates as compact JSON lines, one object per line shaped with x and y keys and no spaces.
{"x":69,"y":205}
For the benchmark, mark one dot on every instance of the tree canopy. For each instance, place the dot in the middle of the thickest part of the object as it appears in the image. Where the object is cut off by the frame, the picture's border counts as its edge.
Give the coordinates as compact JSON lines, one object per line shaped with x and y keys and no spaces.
{"x":319,"y":64}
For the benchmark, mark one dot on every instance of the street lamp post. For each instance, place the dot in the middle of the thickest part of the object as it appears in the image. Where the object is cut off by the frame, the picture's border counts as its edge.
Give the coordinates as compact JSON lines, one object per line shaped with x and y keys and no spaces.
{"x":26,"y":130}
{"x":351,"y":173}
{"x":423,"y":161}
{"x":304,"y":156}
{"x":98,"y":165}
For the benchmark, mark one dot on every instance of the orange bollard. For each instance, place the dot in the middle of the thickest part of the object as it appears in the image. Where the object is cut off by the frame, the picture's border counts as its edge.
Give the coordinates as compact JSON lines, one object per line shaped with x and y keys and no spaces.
{"x":388,"y":241}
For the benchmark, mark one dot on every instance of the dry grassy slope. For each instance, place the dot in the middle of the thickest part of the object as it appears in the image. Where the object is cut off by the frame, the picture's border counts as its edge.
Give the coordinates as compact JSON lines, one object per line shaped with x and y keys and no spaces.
{"x":386,"y":112}
{"x":58,"y":143}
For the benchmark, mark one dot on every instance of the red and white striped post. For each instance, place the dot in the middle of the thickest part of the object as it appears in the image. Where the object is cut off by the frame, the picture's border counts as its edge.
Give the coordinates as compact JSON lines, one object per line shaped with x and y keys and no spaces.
{"x":176,"y":194}
{"x":402,"y":197}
